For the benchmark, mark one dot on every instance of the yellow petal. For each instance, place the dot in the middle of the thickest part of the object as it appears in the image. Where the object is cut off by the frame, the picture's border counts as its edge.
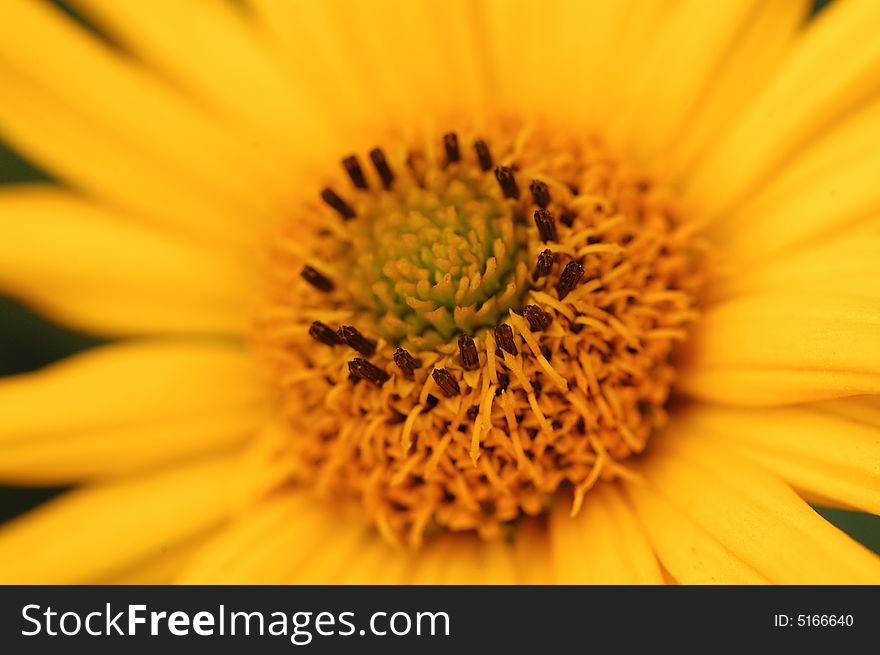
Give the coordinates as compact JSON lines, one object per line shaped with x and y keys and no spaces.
{"x":122,"y":407}
{"x":825,"y":456}
{"x":844,"y":197}
{"x":603,"y":544}
{"x":104,"y":273}
{"x":827,"y":73}
{"x":186,"y":40}
{"x":296,"y":538}
{"x":689,"y":48}
{"x":537,"y":51}
{"x":785,"y":347}
{"x":760,"y":522}
{"x":161,"y":567}
{"x":845,"y":265}
{"x":752,"y":57}
{"x":168,"y":141}
{"x":94,"y":160}
{"x":89,"y":533}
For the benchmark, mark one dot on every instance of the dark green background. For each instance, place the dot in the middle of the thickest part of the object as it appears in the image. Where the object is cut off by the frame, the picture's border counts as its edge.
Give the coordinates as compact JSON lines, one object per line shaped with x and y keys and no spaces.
{"x":28,"y":342}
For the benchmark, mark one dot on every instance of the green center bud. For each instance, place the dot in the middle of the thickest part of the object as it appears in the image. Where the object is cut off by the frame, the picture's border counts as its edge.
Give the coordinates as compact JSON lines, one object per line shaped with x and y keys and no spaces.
{"x":431,"y":260}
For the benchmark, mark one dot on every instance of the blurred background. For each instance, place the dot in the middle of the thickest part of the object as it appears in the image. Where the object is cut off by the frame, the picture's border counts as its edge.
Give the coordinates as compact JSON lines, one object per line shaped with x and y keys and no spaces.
{"x":28,"y":342}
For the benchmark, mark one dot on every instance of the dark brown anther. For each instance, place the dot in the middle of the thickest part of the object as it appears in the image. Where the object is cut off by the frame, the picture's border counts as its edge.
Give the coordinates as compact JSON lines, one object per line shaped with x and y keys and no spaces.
{"x":350,"y":336}
{"x":540,"y":193}
{"x":546,"y":225}
{"x":483,"y":154}
{"x":450,"y":143}
{"x":316,"y":279}
{"x":382,"y":168}
{"x":504,"y":339}
{"x":571,"y":275}
{"x":342,"y":208}
{"x":361,"y":368}
{"x":324,"y":334}
{"x":406,"y":362}
{"x":538,"y":319}
{"x":544,"y":264}
{"x":355,"y":172}
{"x":567,"y":217}
{"x":447,"y":382}
{"x":468,"y":351}
{"x":507,"y":182}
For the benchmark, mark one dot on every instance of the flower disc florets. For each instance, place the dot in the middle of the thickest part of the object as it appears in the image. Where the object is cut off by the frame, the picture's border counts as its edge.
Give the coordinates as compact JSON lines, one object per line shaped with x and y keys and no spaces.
{"x":468,"y":325}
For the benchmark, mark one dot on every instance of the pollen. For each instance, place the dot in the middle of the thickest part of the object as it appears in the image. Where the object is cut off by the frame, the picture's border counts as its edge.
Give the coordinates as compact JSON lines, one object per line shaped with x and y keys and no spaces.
{"x":473,"y":322}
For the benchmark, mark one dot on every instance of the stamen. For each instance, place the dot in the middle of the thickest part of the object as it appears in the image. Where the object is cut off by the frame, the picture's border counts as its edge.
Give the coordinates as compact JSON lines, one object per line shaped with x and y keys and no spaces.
{"x":354,"y":339}
{"x":342,"y":208}
{"x":447,"y":383}
{"x":538,"y":319}
{"x":324,"y":334}
{"x":483,"y":154}
{"x":504,"y":339}
{"x":540,"y":193}
{"x":468,"y":351}
{"x":406,"y":362}
{"x":361,"y":368}
{"x":567,"y":217}
{"x":546,"y":225}
{"x":355,"y":172}
{"x":450,"y":143}
{"x":317,"y":279}
{"x":544,"y":264}
{"x":571,"y":275}
{"x":509,"y":187}
{"x":382,"y":168}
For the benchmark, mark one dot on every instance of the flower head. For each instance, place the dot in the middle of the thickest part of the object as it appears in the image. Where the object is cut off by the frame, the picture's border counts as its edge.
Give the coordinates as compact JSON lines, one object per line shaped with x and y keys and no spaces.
{"x":469,"y":292}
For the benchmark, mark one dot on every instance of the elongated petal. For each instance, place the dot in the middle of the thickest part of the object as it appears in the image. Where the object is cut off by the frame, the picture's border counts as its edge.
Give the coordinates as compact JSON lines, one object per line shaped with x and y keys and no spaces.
{"x":821,"y":453}
{"x":88,"y":534}
{"x":677,"y":71}
{"x":828,"y":73}
{"x":186,"y":40}
{"x":745,"y":522}
{"x":141,"y":135}
{"x":603,"y":544}
{"x":781,"y":348}
{"x":118,"y":408}
{"x":299,"y":539}
{"x":752,"y":57}
{"x":101,"y":272}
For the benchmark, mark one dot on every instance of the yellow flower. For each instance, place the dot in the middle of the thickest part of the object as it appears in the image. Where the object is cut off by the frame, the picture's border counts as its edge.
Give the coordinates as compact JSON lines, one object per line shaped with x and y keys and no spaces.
{"x":593,"y":297}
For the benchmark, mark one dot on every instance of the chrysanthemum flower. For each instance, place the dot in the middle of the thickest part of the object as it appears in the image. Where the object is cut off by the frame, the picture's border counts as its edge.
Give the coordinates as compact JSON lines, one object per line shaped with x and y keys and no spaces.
{"x":445,"y":291}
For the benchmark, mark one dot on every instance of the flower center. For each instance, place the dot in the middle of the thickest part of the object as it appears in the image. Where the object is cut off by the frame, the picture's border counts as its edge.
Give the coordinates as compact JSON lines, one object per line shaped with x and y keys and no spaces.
{"x":465,"y":326}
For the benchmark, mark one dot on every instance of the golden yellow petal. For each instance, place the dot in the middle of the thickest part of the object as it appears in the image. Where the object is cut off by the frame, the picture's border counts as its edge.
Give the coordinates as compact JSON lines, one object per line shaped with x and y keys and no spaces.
{"x":95,"y":161}
{"x":689,"y":48}
{"x":162,"y":567}
{"x":186,"y":41}
{"x":97,"y":270}
{"x":826,"y":456}
{"x":124,"y":109}
{"x":752,"y":57}
{"x":844,"y":265}
{"x":830,"y":70}
{"x":603,"y":544}
{"x":784,"y":347}
{"x":296,"y":538}
{"x":87,"y":534}
{"x":119,"y":408}
{"x":739,"y":507}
